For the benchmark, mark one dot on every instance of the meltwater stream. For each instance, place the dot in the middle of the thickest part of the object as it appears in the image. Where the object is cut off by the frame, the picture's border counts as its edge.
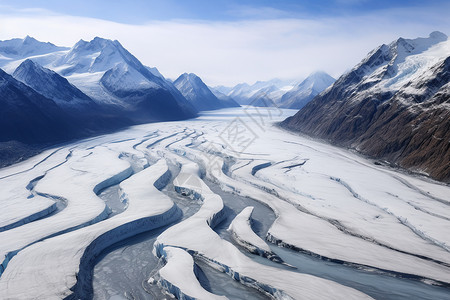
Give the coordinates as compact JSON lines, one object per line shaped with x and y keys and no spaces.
{"x":123,"y":269}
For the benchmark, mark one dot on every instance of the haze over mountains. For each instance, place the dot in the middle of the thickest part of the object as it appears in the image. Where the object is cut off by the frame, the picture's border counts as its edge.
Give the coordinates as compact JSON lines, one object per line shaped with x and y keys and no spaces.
{"x":276,"y":92}
{"x":199,"y":95}
{"x":305,"y":91}
{"x":393,"y":105}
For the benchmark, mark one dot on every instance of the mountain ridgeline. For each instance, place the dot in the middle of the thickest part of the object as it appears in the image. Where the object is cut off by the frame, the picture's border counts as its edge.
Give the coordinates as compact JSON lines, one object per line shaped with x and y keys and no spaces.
{"x":394,"y":105}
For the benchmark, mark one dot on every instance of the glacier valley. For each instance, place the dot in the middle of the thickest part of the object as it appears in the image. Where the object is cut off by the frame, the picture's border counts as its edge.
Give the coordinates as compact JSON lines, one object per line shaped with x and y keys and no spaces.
{"x":224,"y":206}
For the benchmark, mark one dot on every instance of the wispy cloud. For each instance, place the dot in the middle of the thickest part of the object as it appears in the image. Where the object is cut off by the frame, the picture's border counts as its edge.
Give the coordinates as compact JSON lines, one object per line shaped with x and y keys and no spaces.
{"x":260,"y":12}
{"x":237,"y":51}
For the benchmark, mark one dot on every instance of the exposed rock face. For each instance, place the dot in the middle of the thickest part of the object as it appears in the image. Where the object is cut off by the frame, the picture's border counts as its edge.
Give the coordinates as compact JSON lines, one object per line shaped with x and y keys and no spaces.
{"x":394,"y":105}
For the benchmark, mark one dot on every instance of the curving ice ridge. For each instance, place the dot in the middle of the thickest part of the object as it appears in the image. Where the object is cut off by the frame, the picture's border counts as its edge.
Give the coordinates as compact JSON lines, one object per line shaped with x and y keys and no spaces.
{"x":330,"y":205}
{"x":243,"y":234}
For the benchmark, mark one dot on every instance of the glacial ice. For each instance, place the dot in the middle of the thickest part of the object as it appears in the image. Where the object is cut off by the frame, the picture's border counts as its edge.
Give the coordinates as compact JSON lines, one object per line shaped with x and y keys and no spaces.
{"x":329,"y":203}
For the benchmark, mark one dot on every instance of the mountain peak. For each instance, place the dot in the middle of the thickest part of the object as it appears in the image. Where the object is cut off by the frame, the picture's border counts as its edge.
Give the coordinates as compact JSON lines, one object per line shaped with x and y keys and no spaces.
{"x":99,"y":55}
{"x":200,"y":96}
{"x":28,"y":66}
{"x":27,"y":63}
{"x":48,"y":83}
{"x":419,"y":44}
{"x":96,"y":44}
{"x":306,"y":90}
{"x":438,"y":35}
{"x":28,"y":39}
{"x":26,"y":47}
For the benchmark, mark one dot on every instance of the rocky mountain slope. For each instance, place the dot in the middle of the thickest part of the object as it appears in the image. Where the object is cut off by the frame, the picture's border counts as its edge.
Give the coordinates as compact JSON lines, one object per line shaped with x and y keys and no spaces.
{"x":394,"y":105}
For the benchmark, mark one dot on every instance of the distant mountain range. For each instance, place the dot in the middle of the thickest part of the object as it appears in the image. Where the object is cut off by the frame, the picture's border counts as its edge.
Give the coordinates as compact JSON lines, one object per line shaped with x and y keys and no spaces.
{"x":393,"y":105}
{"x":276,"y":92}
{"x":305,"y":91}
{"x":199,"y":95}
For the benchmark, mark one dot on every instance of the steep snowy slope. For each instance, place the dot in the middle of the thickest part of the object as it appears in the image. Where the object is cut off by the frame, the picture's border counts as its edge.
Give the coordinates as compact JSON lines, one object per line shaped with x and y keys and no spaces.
{"x":85,"y":66}
{"x":394,"y":105}
{"x":29,"y":117}
{"x":107,"y":72}
{"x":304,"y":92}
{"x":91,"y":117}
{"x":53,"y":86}
{"x":98,"y":86}
{"x":223,"y":97}
{"x":199,"y":95}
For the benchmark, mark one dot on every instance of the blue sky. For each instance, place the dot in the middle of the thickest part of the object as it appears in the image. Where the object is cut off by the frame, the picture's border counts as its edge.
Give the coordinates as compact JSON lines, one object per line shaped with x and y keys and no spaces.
{"x":141,"y":11}
{"x":227,"y":42}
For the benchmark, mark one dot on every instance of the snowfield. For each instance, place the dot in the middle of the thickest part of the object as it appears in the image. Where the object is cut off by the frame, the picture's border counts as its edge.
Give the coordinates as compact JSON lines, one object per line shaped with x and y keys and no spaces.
{"x":329,"y":205}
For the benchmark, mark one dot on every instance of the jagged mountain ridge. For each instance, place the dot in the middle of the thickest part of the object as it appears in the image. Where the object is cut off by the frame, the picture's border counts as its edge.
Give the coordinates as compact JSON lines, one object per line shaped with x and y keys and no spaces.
{"x":394,"y":105}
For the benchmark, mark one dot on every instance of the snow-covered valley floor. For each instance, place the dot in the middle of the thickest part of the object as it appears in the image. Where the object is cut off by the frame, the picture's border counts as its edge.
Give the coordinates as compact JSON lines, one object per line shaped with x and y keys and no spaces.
{"x":223,"y":206}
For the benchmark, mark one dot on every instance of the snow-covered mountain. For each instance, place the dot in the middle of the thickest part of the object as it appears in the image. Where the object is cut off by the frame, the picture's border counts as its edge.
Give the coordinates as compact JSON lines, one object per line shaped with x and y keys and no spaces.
{"x":53,"y":86}
{"x":222,"y":97}
{"x":27,"y":116}
{"x":64,"y":93}
{"x":108,"y":74}
{"x":199,"y":95}
{"x":261,"y":93}
{"x":277,"y":92}
{"x":305,"y":91}
{"x":19,"y":48}
{"x":395,"y":105}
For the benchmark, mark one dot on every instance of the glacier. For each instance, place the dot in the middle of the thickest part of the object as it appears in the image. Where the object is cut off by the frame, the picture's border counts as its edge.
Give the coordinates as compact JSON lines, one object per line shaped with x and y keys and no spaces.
{"x":310,"y":202}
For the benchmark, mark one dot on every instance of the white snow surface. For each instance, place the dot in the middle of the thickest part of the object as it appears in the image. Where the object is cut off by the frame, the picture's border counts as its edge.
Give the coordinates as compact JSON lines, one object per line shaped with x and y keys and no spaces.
{"x":404,"y":61}
{"x":59,"y":257}
{"x":242,"y":231}
{"x":328,"y":202}
{"x":179,"y":278}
